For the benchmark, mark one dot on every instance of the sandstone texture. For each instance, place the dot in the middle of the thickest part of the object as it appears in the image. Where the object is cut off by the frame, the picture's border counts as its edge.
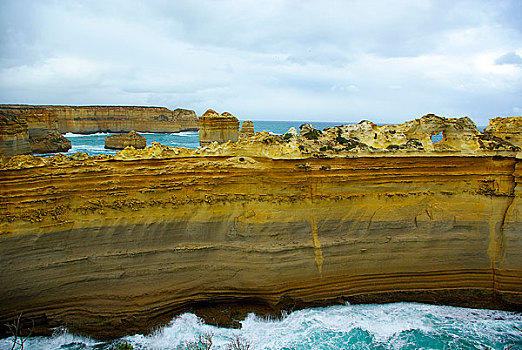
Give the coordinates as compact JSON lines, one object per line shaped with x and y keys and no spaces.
{"x":120,"y":141}
{"x":509,"y":129}
{"x":42,"y":127}
{"x":214,"y":127}
{"x":93,"y":119}
{"x":113,"y":245}
{"x":247,"y":129}
{"x":14,"y":135}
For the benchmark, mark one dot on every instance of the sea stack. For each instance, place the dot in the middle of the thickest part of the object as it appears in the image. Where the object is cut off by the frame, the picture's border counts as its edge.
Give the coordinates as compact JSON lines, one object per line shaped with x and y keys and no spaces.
{"x":247,"y":129}
{"x":120,"y":141}
{"x":219,"y":128}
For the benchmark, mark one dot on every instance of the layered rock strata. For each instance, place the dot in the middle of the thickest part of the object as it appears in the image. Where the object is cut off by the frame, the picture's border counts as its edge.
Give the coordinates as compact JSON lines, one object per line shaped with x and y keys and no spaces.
{"x":214,"y":127}
{"x":93,"y":119}
{"x":14,"y":136}
{"x":42,"y":126}
{"x":112,"y":245}
{"x":120,"y":141}
{"x":509,"y":129}
{"x":247,"y":129}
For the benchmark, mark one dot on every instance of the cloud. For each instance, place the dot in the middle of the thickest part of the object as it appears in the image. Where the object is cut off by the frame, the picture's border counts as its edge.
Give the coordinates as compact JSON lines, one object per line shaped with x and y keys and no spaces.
{"x":283,"y":59}
{"x":509,"y":58}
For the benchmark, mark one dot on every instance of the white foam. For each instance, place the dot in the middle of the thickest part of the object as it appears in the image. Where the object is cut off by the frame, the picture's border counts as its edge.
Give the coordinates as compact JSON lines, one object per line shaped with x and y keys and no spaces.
{"x":70,"y":134}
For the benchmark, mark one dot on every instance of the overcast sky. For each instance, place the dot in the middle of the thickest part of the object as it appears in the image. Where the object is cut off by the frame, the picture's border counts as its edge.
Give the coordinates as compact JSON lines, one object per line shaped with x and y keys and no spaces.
{"x":387,"y":61}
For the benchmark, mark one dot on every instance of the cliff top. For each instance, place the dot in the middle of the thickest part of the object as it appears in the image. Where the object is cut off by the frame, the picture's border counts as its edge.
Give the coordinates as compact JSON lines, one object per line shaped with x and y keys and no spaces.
{"x":459,"y":136}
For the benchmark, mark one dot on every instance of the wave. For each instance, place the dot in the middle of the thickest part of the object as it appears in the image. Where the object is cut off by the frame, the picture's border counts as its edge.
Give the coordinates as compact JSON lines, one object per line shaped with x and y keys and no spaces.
{"x":386,"y":326}
{"x":70,"y":134}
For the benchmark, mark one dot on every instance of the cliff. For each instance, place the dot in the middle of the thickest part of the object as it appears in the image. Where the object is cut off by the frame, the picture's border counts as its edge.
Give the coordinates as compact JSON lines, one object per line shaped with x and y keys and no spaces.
{"x":92,"y":119}
{"x":112,"y":245}
{"x":42,"y":127}
{"x":14,"y":135}
{"x":214,"y":127}
{"x":120,"y":141}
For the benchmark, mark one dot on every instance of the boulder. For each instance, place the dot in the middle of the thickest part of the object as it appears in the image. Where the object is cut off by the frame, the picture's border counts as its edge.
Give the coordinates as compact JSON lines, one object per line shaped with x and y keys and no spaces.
{"x":50,"y":142}
{"x":120,"y":141}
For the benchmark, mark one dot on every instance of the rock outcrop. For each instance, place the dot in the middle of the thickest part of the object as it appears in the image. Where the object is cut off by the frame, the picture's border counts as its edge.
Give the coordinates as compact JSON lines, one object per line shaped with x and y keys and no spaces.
{"x":50,"y":142}
{"x":112,"y":245}
{"x":509,"y":129}
{"x":120,"y":141}
{"x":42,"y":127}
{"x":14,"y":136}
{"x":217,"y":128}
{"x":93,"y":119}
{"x":247,"y":129}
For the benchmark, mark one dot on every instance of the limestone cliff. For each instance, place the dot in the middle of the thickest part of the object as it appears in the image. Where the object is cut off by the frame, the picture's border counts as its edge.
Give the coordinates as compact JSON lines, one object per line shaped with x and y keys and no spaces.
{"x":14,"y":136}
{"x":111,"y":245}
{"x":42,"y":126}
{"x":120,"y":141}
{"x":217,"y":128}
{"x":92,"y":119}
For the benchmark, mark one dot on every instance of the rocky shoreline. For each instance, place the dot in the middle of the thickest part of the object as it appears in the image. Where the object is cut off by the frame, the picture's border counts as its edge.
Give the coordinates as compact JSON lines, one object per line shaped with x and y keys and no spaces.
{"x":112,"y":245}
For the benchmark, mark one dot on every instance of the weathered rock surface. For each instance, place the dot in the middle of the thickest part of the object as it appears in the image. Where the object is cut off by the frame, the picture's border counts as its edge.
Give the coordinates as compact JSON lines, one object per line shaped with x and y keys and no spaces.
{"x":14,"y":135}
{"x":247,"y":129}
{"x":217,"y":128}
{"x":120,"y":141}
{"x":112,"y":245}
{"x":42,"y":125}
{"x":509,"y":129}
{"x":92,"y":119}
{"x":51,"y":142}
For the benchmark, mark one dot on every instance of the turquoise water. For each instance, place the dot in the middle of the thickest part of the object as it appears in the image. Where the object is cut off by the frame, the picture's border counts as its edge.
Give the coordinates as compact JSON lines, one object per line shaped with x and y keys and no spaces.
{"x":386,"y":326}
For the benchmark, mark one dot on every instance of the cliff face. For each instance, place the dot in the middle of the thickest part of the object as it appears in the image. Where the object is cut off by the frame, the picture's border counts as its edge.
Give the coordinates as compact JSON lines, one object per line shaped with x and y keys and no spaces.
{"x":14,"y":136}
{"x":217,"y":128}
{"x":92,"y":119}
{"x":112,"y":245}
{"x":42,"y":126}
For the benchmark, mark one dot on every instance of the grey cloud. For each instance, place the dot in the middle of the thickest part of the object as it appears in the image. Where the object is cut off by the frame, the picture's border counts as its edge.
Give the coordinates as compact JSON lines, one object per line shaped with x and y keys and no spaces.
{"x":509,"y":58}
{"x":276,"y":59}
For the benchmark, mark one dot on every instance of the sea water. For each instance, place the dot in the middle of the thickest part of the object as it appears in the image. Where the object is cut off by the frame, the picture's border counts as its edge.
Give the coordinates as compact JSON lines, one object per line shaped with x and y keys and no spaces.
{"x":371,"y":326}
{"x":385,"y":326}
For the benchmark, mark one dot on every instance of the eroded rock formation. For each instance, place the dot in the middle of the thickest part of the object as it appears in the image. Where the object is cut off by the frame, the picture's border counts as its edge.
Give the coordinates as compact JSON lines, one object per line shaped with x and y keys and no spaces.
{"x":42,"y":126}
{"x":14,"y":135}
{"x":509,"y":129}
{"x":214,"y":127}
{"x":112,"y":245}
{"x":120,"y":141}
{"x":247,"y":129}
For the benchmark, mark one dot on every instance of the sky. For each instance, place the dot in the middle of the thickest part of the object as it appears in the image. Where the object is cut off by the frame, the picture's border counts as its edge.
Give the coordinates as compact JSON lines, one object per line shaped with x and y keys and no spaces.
{"x":385,"y":61}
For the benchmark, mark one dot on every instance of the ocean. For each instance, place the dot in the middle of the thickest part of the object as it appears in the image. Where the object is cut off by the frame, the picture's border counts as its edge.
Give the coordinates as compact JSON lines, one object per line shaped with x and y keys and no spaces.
{"x":371,"y":326}
{"x":386,"y":326}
